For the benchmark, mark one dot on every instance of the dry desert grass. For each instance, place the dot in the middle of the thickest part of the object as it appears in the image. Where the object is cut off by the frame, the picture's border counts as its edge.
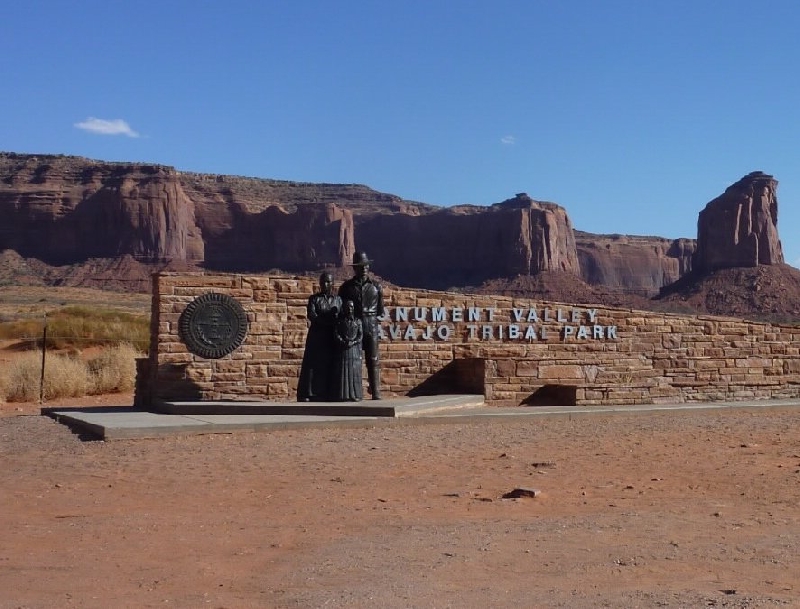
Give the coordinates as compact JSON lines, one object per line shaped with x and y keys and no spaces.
{"x":78,"y":327}
{"x":93,"y":338}
{"x":110,"y":370}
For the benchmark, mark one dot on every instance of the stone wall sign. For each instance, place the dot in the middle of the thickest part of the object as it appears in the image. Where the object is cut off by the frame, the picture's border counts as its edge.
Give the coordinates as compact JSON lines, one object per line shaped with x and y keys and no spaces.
{"x":588,"y":355}
{"x":213,"y":325}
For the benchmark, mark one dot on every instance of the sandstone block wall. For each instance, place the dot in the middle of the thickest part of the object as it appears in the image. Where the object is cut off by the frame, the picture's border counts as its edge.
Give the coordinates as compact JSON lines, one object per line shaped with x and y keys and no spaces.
{"x":514,"y":351}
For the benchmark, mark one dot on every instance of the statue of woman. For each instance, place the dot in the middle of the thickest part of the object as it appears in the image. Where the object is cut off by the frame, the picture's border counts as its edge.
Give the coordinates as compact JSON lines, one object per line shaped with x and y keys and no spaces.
{"x":316,"y":371}
{"x":348,"y":333}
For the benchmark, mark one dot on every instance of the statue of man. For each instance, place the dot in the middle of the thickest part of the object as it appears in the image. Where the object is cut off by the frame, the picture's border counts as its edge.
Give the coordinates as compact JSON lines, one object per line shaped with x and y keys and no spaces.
{"x":367,"y":297}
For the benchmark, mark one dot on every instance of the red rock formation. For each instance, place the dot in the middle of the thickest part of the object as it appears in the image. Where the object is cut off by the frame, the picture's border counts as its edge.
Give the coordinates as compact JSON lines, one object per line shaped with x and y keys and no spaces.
{"x":310,"y":238}
{"x":740,"y":227}
{"x":468,"y":244}
{"x":765,"y":293}
{"x":62,"y":211}
{"x":110,"y":225}
{"x":66,"y":210}
{"x":637,"y":264}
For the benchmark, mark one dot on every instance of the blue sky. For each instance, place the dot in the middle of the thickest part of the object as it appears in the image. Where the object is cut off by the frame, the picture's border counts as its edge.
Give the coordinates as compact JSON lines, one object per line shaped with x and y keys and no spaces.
{"x":630,"y":114}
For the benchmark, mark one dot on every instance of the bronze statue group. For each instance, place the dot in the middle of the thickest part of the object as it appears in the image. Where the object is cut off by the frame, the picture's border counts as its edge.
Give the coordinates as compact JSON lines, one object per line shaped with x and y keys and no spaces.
{"x":341,"y":327}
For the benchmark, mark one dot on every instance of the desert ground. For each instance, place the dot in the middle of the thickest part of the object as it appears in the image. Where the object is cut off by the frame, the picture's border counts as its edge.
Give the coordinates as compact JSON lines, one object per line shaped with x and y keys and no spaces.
{"x":667,"y":509}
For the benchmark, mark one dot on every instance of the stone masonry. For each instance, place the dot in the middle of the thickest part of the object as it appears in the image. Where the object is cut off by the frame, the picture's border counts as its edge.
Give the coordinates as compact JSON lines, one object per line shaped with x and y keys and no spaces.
{"x":513,"y":351}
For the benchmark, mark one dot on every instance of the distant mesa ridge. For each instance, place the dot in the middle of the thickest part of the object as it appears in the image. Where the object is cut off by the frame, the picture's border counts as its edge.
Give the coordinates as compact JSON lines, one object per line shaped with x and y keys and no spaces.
{"x":62,"y":211}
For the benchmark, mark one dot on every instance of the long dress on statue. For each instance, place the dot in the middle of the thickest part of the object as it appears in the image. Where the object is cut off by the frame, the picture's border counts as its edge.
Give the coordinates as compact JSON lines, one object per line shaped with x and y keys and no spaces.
{"x":347,"y":379}
{"x":316,"y":372}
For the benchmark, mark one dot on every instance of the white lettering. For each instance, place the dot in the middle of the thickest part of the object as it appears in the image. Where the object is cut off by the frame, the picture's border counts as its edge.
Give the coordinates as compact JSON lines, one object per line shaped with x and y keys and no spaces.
{"x":509,"y":327}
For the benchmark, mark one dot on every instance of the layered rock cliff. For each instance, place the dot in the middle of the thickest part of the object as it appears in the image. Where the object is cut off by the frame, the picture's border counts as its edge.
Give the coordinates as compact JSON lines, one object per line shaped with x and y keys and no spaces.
{"x":467,"y":245}
{"x":738,"y":266}
{"x":63,"y":212}
{"x":740,"y":227}
{"x":67,"y":210}
{"x":633,"y":264}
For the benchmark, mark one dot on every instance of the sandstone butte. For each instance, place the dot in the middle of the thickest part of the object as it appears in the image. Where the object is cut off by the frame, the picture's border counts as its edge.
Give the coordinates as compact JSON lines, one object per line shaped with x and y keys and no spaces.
{"x":740,"y":227}
{"x":125,"y":219}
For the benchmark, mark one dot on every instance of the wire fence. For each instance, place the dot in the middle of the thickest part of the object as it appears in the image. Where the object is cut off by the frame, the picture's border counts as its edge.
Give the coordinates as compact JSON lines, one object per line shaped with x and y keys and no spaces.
{"x":46,"y":341}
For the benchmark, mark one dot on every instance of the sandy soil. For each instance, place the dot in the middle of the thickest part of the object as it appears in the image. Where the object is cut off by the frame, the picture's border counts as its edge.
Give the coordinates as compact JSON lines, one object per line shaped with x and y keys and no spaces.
{"x":698,"y":509}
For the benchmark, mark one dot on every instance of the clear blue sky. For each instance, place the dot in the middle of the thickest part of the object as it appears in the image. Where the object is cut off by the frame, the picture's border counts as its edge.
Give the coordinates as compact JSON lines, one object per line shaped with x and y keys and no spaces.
{"x":631,"y":114}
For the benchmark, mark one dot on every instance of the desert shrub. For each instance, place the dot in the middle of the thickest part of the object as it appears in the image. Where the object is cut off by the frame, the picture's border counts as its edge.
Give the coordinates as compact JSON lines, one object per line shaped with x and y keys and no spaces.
{"x":113,"y":369}
{"x":97,"y":326}
{"x":65,"y":376}
{"x":80,"y":327}
{"x":23,"y":329}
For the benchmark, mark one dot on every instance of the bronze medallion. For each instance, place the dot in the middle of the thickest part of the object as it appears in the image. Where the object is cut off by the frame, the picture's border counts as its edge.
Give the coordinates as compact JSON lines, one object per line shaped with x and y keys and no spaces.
{"x":213,"y":325}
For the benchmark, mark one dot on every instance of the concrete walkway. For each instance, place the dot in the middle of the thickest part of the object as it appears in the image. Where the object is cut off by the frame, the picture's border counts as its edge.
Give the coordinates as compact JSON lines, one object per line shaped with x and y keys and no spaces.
{"x":128,"y":422}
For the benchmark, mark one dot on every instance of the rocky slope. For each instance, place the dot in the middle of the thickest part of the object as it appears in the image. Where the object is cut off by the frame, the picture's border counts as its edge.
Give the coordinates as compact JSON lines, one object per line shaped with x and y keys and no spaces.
{"x":738,"y":267}
{"x":764,"y":292}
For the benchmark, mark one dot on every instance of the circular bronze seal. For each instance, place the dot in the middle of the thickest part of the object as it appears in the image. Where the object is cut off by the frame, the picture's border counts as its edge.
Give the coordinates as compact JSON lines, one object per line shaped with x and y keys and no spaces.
{"x":212,"y":325}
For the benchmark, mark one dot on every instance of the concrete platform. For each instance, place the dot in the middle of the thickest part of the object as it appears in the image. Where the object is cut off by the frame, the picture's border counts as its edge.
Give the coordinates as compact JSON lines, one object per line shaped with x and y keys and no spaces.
{"x":129,"y":423}
{"x":176,"y":418}
{"x":390,"y":407}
